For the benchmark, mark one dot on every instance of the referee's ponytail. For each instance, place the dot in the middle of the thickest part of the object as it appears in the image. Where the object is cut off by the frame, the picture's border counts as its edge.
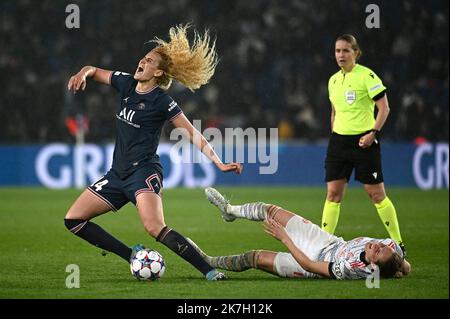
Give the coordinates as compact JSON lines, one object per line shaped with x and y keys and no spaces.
{"x":352,"y":40}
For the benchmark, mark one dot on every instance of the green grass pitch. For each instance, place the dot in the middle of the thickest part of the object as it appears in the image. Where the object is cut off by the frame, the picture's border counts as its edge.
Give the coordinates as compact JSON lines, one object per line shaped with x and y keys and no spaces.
{"x":35,"y":247}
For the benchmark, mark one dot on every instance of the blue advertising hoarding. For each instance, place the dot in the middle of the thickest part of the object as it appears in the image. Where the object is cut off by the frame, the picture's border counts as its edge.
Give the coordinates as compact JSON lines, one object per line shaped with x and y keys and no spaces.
{"x":62,"y":165}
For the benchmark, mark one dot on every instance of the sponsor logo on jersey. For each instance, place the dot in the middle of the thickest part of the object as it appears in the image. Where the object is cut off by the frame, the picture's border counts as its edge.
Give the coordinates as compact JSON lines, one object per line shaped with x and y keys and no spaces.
{"x":336,"y":269}
{"x":357,"y":264}
{"x":375,"y":87}
{"x":127,"y":117}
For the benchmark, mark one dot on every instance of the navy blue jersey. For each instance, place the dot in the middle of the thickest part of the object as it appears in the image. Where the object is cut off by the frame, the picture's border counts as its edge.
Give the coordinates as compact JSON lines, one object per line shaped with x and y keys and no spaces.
{"x":140,"y":117}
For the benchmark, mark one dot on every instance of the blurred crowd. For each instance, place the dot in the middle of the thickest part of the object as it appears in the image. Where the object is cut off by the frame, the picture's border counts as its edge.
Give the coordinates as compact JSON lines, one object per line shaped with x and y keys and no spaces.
{"x":275,"y":61}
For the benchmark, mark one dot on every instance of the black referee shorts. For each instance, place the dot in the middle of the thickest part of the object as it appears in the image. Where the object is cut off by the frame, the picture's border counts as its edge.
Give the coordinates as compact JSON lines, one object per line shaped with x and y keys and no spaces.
{"x":344,"y":155}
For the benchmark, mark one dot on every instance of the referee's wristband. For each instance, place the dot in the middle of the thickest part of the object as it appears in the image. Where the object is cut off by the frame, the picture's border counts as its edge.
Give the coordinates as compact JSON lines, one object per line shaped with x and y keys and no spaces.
{"x":376,"y":132}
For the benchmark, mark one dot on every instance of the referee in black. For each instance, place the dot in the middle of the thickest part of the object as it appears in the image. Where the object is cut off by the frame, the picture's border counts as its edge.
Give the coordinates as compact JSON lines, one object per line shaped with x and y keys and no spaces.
{"x":355,"y":140}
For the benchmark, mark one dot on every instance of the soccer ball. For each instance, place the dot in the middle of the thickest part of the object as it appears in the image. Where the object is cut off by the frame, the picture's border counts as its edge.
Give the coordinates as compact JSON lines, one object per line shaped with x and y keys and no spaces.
{"x":147,"y":264}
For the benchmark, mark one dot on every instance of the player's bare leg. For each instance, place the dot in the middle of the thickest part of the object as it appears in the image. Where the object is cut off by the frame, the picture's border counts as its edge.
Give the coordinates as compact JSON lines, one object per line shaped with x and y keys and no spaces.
{"x":266,"y":261}
{"x":336,"y":190}
{"x":77,"y":220}
{"x":87,"y":206}
{"x":279,"y":214}
{"x":150,"y":210}
{"x":376,"y":192}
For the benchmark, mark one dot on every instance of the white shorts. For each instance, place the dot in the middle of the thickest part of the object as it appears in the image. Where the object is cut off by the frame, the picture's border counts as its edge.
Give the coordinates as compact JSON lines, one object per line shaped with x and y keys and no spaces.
{"x":310,"y":239}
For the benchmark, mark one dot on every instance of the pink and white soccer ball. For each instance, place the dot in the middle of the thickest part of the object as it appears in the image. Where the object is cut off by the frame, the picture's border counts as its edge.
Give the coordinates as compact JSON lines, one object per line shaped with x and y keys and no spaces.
{"x":147,"y":264}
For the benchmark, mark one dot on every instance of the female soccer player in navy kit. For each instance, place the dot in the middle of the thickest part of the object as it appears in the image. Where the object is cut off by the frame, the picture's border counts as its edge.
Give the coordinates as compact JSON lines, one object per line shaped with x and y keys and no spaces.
{"x":136,"y":174}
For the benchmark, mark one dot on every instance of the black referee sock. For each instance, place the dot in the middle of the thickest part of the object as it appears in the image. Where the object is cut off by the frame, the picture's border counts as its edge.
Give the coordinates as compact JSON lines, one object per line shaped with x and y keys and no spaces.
{"x":178,"y":244}
{"x":98,"y":237}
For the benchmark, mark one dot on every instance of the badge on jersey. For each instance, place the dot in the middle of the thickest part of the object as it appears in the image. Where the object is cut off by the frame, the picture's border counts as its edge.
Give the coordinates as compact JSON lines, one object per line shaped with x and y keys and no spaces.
{"x":350,"y":96}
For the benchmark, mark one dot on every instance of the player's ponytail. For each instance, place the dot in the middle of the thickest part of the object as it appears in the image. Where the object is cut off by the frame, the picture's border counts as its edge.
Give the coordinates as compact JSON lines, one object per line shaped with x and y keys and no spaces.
{"x":192,"y":66}
{"x":392,"y":267}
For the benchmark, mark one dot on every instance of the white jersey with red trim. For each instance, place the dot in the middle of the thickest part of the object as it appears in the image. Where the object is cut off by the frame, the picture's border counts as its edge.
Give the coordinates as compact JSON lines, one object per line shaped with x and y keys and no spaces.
{"x":345,"y":257}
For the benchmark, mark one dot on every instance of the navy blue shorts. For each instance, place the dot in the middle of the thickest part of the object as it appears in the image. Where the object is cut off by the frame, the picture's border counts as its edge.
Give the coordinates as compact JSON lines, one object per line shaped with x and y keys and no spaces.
{"x":116,"y":192}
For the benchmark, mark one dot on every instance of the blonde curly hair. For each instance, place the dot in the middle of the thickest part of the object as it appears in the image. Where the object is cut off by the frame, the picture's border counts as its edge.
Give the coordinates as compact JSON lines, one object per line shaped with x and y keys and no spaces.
{"x":192,"y":66}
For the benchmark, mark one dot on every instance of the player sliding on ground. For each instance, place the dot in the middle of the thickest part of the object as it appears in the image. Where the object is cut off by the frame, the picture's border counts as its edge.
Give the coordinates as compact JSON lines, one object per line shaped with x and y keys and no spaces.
{"x":314,"y":253}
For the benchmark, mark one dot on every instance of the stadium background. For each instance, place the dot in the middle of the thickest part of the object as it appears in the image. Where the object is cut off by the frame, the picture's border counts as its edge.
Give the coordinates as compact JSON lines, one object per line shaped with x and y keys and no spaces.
{"x":275,"y":61}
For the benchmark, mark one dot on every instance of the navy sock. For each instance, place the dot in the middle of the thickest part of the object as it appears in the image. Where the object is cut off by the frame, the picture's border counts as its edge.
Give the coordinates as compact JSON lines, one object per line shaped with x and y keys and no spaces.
{"x":98,"y":237}
{"x":178,"y":244}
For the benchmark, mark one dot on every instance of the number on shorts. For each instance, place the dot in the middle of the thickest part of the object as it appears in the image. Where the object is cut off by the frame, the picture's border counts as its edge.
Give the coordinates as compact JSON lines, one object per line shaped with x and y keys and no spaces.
{"x":98,"y":186}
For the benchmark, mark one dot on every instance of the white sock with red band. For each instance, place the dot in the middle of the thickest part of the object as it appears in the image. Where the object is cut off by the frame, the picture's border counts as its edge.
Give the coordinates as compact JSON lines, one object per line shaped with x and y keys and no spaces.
{"x":252,"y":211}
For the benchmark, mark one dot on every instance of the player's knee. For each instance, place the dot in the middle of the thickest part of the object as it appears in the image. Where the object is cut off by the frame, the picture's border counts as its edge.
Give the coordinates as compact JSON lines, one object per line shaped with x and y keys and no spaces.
{"x":377,"y":197}
{"x":74,"y":225}
{"x":265,"y":260}
{"x":68,"y":215}
{"x":153,"y":229}
{"x":74,"y":214}
{"x":272,"y":210}
{"x":334,"y":195}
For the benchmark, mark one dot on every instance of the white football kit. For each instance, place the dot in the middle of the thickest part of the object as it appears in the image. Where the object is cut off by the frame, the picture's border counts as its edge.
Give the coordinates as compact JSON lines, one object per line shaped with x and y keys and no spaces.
{"x":344,"y":257}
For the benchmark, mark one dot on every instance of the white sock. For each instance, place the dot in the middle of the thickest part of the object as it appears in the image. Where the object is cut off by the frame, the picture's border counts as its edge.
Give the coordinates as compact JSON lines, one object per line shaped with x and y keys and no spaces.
{"x":251,"y":211}
{"x":237,"y":263}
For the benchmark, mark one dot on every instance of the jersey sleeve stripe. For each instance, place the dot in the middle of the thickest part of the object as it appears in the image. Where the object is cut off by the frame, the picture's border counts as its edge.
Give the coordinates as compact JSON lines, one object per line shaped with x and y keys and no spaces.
{"x":379,"y":95}
{"x":330,"y":271}
{"x":176,"y":115}
{"x":110,"y":77}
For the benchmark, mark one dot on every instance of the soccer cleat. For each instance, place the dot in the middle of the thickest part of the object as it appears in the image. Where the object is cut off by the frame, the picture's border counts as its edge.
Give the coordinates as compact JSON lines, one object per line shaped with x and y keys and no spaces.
{"x":220,"y":202}
{"x":215,"y":275}
{"x":135,"y":249}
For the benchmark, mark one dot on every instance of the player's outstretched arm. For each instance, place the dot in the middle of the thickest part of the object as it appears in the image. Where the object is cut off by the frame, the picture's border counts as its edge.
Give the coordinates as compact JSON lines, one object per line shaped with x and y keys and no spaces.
{"x":78,"y":81}
{"x":202,"y":144}
{"x":275,"y":229}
